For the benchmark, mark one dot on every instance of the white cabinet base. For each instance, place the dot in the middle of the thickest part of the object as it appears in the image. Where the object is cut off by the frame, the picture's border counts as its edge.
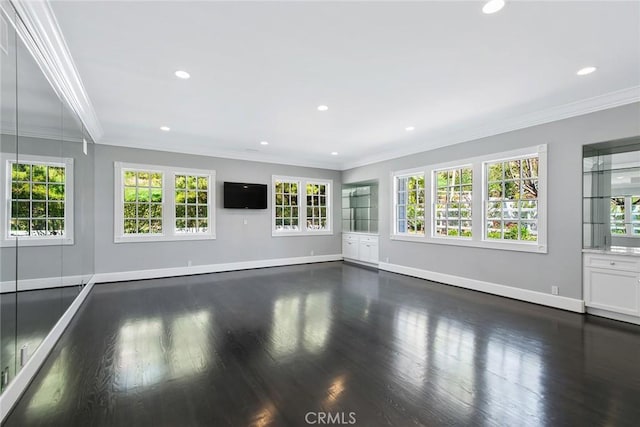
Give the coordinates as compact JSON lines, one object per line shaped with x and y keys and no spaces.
{"x":612,"y":286}
{"x":361,"y":248}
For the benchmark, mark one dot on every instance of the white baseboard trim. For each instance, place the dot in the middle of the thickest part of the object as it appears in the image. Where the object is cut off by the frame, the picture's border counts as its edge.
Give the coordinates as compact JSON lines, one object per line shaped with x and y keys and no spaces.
{"x":43,"y":283}
{"x":613,"y":315}
{"x":359,"y":262}
{"x":121,"y":276}
{"x":23,"y":378}
{"x":556,"y":301}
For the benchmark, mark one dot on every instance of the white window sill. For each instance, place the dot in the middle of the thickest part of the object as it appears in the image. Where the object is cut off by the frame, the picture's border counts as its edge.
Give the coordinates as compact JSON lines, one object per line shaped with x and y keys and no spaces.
{"x":163,"y":238}
{"x":22,"y":242}
{"x":301,"y":233}
{"x":484,"y":244}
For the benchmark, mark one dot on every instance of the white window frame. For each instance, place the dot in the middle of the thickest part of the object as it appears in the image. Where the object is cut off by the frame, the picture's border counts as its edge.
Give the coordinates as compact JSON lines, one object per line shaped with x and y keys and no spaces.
{"x":302,"y":206}
{"x":5,"y":193}
{"x":394,"y":206}
{"x":479,"y":194}
{"x":434,"y":199}
{"x":168,"y":204}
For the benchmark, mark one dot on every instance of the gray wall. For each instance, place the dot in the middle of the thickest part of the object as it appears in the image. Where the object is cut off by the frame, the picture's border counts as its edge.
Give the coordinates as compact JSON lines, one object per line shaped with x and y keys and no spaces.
{"x":235,"y":241}
{"x":562,"y":264}
{"x":36,"y":262}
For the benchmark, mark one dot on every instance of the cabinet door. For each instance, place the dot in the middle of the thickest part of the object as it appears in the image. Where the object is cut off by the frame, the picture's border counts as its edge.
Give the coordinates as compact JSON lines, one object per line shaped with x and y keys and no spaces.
{"x":612,"y":290}
{"x":368,"y":250}
{"x":350,"y":248}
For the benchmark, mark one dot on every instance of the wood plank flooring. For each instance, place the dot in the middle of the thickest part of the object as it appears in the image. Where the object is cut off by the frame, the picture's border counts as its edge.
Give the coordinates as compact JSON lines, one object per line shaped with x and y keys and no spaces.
{"x":298,"y":345}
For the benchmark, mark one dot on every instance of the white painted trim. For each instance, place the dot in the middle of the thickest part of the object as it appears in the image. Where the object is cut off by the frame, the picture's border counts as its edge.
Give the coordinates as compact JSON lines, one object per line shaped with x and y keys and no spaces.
{"x":39,"y":30}
{"x":42,"y":283}
{"x":357,"y":261}
{"x":451,"y":136}
{"x":556,"y":301}
{"x":613,"y":315}
{"x":211,"y":268}
{"x":21,"y":381}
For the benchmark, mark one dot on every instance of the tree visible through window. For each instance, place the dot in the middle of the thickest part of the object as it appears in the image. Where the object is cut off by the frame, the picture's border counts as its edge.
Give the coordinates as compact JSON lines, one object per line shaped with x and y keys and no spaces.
{"x":453,"y":202}
{"x":410,"y":206}
{"x":192,"y":203}
{"x":38,"y":198}
{"x":512,"y":205}
{"x":286,"y":206}
{"x":143,"y":196}
{"x":316,"y":206}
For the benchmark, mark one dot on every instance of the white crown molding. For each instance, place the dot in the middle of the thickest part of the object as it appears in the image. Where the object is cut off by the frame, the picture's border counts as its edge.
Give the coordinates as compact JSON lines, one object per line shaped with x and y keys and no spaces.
{"x":202,"y":150}
{"x":39,"y":30}
{"x":451,"y":137}
{"x":42,"y":133}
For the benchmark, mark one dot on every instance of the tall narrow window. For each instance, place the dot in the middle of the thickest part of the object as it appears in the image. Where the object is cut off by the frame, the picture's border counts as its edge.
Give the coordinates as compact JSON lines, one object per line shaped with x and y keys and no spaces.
{"x":617,"y":223}
{"x":192,"y":203}
{"x":453,"y":192}
{"x":287,"y":205}
{"x":143,"y":197}
{"x":512,"y":199}
{"x":40,"y":204}
{"x":410,"y":204}
{"x":316,"y":206}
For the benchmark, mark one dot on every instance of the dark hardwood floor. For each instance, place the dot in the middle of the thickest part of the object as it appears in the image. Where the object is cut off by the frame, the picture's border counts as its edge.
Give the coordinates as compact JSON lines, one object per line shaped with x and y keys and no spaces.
{"x":276,"y":346}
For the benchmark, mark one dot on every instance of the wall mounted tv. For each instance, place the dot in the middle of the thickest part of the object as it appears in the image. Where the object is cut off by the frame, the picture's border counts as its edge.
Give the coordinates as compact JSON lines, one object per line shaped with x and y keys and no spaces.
{"x":238,"y":195}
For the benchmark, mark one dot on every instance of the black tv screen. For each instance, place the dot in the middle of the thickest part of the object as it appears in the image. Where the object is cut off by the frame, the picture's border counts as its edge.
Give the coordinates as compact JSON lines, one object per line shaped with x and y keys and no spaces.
{"x":238,"y":195}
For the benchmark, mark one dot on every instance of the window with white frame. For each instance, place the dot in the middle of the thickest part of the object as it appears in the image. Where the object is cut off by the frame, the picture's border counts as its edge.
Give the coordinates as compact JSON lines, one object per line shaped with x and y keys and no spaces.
{"x":625,"y":216}
{"x":409,"y":206}
{"x":453,"y":208}
{"x":317,"y":215}
{"x":39,"y":195}
{"x":493,"y":201}
{"x":192,"y":203}
{"x":300,"y":206}
{"x":155,"y":203}
{"x":512,"y":199}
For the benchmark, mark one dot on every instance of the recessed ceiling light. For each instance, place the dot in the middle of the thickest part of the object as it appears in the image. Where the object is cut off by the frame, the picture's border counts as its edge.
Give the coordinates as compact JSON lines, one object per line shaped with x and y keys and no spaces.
{"x":409,"y":128}
{"x":334,"y":153}
{"x":182,"y":74}
{"x":165,"y":128}
{"x":493,"y":6}
{"x":322,"y":108}
{"x":264,"y":143}
{"x":586,"y":70}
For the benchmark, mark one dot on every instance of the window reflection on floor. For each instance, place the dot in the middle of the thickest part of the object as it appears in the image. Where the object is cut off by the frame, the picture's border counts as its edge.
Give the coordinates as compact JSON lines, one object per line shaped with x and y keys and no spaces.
{"x":140,"y":360}
{"x":454,"y":352}
{"x":52,"y":390}
{"x":190,"y":351}
{"x":411,"y":357}
{"x":300,"y":322}
{"x":513,"y":374}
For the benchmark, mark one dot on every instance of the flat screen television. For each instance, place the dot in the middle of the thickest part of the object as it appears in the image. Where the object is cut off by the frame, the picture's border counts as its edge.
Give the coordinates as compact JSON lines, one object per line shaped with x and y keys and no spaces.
{"x":238,"y":195}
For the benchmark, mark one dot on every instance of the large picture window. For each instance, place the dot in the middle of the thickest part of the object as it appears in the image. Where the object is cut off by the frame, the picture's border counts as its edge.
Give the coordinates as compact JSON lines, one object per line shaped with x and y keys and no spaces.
{"x":39,"y":194}
{"x":453,"y":207}
{"x":512,"y":199}
{"x":155,"y":203}
{"x":300,"y":206}
{"x":410,"y":204}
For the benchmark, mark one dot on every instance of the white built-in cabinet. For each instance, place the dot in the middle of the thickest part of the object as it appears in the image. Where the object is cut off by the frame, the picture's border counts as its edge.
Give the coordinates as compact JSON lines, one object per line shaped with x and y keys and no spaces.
{"x":360,"y":247}
{"x":612,"y":285}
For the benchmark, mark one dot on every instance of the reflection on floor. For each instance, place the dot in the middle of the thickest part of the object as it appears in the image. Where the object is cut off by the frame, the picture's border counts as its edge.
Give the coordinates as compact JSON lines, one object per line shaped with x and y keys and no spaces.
{"x":279,"y":346}
{"x":35,"y":312}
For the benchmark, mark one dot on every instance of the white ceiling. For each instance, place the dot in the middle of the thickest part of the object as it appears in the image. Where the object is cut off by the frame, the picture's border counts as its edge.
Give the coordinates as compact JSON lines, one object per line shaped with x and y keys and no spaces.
{"x":259,"y":69}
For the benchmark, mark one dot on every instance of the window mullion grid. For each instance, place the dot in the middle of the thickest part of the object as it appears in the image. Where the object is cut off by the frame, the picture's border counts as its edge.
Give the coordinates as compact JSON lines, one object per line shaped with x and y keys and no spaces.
{"x":169,"y":204}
